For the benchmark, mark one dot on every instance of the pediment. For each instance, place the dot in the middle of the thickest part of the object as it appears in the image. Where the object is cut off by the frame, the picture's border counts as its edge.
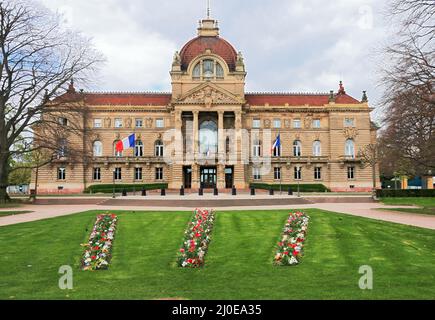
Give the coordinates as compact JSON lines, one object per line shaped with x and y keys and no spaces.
{"x":208,"y":95}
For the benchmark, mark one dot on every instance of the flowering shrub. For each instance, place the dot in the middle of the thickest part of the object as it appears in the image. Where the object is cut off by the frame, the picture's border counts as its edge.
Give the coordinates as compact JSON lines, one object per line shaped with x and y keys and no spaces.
{"x":290,"y":247}
{"x":196,"y":239}
{"x":99,"y":247}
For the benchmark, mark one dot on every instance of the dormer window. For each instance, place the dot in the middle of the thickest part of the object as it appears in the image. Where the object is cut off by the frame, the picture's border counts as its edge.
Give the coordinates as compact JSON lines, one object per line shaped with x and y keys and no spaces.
{"x":208,"y":69}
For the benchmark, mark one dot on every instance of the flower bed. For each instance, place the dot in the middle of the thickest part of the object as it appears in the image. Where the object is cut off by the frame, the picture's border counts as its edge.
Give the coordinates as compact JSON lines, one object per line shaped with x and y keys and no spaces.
{"x":290,"y":248}
{"x":99,"y":247}
{"x":196,"y":239}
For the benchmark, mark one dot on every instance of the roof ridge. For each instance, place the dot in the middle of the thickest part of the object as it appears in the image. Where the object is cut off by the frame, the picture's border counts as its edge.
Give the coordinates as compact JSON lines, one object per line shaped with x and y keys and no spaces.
{"x":287,"y":93}
{"x":129,"y":92}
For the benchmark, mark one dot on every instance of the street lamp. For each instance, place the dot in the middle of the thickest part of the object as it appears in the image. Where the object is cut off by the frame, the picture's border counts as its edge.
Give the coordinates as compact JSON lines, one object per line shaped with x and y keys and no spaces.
{"x":113,"y":190}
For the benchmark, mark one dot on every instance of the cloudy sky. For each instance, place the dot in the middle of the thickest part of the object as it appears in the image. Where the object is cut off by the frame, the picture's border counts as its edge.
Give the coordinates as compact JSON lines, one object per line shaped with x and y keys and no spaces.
{"x":288,"y":45}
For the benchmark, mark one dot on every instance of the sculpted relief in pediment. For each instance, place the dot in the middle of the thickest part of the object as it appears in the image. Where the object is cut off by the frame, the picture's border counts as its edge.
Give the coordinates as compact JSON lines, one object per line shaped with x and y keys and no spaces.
{"x":208,"y":96}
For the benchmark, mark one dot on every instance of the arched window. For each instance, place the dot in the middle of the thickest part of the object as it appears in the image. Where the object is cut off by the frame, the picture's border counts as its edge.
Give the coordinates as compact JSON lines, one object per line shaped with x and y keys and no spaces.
{"x":208,"y":137}
{"x":159,"y":148}
{"x":197,"y":71}
{"x":349,"y":149}
{"x":208,"y":69}
{"x":297,"y":148}
{"x":256,"y":149}
{"x":277,"y":151}
{"x":98,"y":149}
{"x":138,"y":149}
{"x":219,"y":71}
{"x":117,"y":153}
{"x":317,"y":148}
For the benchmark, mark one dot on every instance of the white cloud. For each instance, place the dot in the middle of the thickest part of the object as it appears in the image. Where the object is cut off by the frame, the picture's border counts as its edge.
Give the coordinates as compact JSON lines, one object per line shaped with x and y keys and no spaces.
{"x":288,"y":45}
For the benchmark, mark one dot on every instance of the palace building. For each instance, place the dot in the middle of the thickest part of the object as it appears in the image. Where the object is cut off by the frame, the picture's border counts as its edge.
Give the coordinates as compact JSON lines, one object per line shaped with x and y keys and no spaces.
{"x":208,"y":131}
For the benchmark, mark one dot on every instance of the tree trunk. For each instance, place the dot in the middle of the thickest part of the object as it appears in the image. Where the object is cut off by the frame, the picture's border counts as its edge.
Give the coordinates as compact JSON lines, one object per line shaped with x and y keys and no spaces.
{"x":374,"y":180}
{"x":4,"y":197}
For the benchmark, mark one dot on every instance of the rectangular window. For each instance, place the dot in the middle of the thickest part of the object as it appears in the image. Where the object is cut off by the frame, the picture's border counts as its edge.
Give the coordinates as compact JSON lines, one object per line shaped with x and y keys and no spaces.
{"x":349,"y":122}
{"x":297,"y":123}
{"x":117,"y":174}
{"x":118,"y":123}
{"x":139,"y":123}
{"x":298,"y":173}
{"x":317,"y":173}
{"x":316,"y":123}
{"x":277,"y":123}
{"x":351,"y":173}
{"x":256,"y":173}
{"x":160,"y":123}
{"x":97,"y":174}
{"x":159,"y":173}
{"x":277,"y":173}
{"x":137,"y":173}
{"x":98,"y":123}
{"x":61,"y":173}
{"x":256,"y":123}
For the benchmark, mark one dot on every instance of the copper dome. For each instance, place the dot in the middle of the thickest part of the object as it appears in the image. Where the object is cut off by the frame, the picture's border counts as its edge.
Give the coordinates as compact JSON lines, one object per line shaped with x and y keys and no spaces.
{"x":217,"y":45}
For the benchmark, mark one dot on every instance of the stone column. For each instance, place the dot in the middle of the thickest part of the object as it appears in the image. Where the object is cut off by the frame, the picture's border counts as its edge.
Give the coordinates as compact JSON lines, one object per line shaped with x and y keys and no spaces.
{"x":195,"y":168}
{"x":177,"y":164}
{"x":239,"y":167}
{"x":221,"y":137}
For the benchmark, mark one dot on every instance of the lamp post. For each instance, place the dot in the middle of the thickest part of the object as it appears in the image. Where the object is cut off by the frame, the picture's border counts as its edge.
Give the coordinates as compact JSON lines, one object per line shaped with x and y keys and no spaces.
{"x":299,"y":194}
{"x":113,"y":190}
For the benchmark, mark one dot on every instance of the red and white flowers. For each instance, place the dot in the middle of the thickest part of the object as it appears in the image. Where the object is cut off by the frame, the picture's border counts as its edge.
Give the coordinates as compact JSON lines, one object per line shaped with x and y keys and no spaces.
{"x":290,"y":247}
{"x":196,"y":239}
{"x":99,"y":247}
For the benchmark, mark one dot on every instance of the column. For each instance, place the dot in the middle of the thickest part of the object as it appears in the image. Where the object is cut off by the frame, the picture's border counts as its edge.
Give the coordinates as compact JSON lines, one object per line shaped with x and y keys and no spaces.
{"x":239,"y":167}
{"x":195,"y":168}
{"x":221,"y":137}
{"x":177,"y":164}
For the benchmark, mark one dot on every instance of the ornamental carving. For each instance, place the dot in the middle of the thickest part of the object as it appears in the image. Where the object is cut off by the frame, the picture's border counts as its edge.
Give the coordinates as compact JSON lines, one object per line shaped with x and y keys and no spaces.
{"x":350,"y":133}
{"x":208,"y":96}
{"x":267,"y":123}
{"x":107,"y":122}
{"x":128,"y":122}
{"x":149,"y":123}
{"x":307,"y":122}
{"x":287,"y":123}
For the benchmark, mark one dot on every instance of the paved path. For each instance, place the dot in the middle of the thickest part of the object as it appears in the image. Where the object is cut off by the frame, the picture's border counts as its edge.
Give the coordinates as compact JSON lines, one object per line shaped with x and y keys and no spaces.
{"x":367,"y":210}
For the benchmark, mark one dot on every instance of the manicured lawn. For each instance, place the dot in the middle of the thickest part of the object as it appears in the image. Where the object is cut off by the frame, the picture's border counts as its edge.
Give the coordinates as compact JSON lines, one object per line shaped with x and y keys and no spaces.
{"x":424,"y":210}
{"x":411,"y":201}
{"x":10,"y":213}
{"x":238,"y":263}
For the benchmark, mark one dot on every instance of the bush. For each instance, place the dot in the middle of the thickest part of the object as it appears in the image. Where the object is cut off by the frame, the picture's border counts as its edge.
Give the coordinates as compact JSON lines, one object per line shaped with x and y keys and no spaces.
{"x":108,"y":188}
{"x":405,"y":193}
{"x":302,"y":187}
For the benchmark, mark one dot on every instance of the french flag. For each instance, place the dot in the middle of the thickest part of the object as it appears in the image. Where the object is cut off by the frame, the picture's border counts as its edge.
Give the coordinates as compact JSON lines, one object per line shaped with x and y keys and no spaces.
{"x":126,"y":143}
{"x":276,"y":144}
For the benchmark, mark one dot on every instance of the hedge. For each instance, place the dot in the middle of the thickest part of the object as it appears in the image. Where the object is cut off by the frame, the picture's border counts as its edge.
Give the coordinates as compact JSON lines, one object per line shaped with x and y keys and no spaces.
{"x":294,"y":187}
{"x":405,"y":193}
{"x":108,"y":188}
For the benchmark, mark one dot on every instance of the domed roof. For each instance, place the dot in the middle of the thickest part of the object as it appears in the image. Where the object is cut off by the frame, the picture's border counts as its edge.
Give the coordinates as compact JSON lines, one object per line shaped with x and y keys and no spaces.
{"x":217,"y":45}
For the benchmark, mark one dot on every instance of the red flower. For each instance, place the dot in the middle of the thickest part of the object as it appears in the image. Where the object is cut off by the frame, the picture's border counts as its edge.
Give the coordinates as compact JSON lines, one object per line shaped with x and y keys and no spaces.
{"x":286,"y":253}
{"x":182,"y":250}
{"x":280,"y":244}
{"x":295,"y":253}
{"x":93,"y":257}
{"x":198,"y":235}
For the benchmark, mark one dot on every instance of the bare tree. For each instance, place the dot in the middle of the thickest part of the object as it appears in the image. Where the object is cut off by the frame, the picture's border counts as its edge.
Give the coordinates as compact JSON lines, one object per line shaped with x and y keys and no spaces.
{"x":38,"y":59}
{"x":369,"y":155}
{"x":409,"y":79}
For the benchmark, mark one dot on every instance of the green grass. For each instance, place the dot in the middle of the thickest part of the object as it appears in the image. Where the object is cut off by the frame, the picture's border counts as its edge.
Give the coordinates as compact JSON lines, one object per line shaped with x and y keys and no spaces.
{"x":422,"y":202}
{"x":238,"y":263}
{"x":11,"y":213}
{"x":424,"y":210}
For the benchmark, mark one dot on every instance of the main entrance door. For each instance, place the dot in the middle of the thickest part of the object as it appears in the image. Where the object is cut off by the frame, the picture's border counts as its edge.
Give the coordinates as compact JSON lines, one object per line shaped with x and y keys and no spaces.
{"x":208,"y":177}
